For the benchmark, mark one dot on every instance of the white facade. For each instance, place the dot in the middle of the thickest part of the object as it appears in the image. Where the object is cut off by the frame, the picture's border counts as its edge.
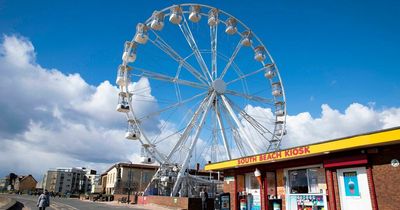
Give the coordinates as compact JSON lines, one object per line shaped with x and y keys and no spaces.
{"x":69,"y":180}
{"x":124,"y":177}
{"x":111,"y":181}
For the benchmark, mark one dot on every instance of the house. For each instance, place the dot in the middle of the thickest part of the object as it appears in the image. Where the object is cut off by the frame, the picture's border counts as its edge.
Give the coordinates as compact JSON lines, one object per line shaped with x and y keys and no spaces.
{"x":124,"y":178}
{"x":25,"y":184}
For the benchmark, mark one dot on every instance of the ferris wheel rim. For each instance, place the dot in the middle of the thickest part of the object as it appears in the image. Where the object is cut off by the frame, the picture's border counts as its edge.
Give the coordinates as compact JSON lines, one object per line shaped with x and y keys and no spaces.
{"x":248,"y":29}
{"x":216,"y":91}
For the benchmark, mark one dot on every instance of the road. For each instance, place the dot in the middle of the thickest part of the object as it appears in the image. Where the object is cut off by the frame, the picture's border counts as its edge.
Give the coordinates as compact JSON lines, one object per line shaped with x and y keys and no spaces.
{"x":27,"y":202}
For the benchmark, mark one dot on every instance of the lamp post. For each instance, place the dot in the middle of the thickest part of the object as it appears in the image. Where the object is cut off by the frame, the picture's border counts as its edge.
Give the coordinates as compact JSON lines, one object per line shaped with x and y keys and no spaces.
{"x":129,"y":184}
{"x":129,"y":181}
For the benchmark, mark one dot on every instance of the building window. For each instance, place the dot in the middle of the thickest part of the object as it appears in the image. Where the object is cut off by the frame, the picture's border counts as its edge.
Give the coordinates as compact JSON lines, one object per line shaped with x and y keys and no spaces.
{"x":306,"y":188}
{"x":303,"y":181}
{"x":146,"y":177}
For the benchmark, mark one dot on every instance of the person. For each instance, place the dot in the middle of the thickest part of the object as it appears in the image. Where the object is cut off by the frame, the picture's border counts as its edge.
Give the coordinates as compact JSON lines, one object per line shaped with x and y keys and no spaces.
{"x":43,"y":200}
{"x":204,"y":198}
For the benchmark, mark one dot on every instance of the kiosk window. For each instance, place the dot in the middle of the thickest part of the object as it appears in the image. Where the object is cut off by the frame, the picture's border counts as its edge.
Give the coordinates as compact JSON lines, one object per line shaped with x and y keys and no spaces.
{"x":303,"y":181}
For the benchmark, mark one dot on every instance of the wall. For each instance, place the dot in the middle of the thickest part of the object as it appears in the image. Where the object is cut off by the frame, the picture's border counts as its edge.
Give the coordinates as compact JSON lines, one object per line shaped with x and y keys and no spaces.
{"x":27,"y":184}
{"x":230,"y":187}
{"x":111,"y":179}
{"x":386,"y":177}
{"x":179,"y":202}
{"x":280,"y":186}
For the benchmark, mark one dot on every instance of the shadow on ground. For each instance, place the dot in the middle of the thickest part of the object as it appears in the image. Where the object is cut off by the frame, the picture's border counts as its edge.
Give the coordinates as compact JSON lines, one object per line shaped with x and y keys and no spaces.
{"x":17,"y":206}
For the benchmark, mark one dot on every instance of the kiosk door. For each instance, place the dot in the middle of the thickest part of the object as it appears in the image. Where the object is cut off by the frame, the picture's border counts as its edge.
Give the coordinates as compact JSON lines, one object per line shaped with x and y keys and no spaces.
{"x":253,"y":192}
{"x":353,"y":188}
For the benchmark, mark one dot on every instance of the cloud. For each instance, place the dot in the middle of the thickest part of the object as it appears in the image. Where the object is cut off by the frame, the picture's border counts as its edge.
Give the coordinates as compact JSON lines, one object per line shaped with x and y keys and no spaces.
{"x":357,"y":118}
{"x":51,"y":119}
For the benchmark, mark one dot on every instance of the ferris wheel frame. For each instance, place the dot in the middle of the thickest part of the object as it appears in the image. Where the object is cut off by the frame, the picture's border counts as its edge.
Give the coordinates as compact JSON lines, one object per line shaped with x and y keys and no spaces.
{"x":206,"y":79}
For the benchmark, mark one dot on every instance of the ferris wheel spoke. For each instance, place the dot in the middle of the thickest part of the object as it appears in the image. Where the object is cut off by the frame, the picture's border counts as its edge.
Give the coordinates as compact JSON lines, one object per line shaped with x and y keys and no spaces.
{"x":171,"y":106}
{"x":187,"y":33}
{"x":246,"y":75}
{"x":238,"y":123}
{"x":231,"y":59}
{"x":262,"y":130}
{"x":162,"y":77}
{"x":257,"y":126}
{"x":189,"y":126}
{"x":250,"y":97}
{"x":214,"y":39}
{"x":185,"y":164}
{"x":235,"y":136}
{"x":222,"y":130}
{"x":166,"y":48}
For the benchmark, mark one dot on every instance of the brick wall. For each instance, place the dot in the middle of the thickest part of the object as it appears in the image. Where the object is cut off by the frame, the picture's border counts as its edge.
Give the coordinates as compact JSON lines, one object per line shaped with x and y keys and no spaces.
{"x":330,"y":191}
{"x":386,"y":178}
{"x":336,"y":186}
{"x":175,"y":202}
{"x":230,"y":187}
{"x":27,"y":184}
{"x":280,"y":186}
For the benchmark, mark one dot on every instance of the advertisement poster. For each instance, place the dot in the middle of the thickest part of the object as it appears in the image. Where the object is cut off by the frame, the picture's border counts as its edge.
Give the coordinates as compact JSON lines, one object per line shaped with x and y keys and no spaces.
{"x":225,"y":201}
{"x":351,"y":184}
{"x":253,"y":201}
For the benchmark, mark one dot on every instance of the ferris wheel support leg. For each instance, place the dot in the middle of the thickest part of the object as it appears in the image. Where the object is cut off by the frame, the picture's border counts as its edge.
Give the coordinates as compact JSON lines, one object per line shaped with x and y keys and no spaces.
{"x":157,"y":156}
{"x":192,"y":145}
{"x":152,"y":180}
{"x":188,"y":128}
{"x":238,"y":123}
{"x":223,"y":135}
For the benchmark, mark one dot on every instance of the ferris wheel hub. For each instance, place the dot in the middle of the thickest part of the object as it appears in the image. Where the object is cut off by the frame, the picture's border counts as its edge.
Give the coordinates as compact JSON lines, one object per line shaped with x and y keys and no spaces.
{"x":219,"y":86}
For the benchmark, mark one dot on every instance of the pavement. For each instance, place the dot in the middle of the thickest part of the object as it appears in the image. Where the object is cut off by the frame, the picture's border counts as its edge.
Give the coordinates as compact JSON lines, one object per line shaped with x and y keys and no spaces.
{"x":6,"y":203}
{"x":28,"y":202}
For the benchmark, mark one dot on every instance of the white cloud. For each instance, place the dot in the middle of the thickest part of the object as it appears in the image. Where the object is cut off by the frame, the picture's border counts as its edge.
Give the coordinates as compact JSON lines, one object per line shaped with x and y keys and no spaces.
{"x":50,"y":119}
{"x":357,"y":118}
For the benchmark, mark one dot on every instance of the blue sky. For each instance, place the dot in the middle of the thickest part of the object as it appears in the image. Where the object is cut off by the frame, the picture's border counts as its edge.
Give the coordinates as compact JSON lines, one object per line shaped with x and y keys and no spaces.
{"x":338,"y":61}
{"x":335,"y":52}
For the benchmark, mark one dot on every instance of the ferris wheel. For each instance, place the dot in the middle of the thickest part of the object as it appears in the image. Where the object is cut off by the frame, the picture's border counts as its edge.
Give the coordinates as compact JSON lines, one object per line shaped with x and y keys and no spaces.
{"x":197,"y":86}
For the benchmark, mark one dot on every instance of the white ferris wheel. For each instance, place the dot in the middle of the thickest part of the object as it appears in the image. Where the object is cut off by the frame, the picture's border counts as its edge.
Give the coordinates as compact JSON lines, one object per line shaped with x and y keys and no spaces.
{"x":197,"y":86}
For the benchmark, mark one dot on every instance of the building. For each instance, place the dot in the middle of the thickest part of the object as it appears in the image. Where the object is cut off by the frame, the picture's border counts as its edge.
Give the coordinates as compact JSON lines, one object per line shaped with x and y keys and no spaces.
{"x":69,"y":180}
{"x":94,"y":185}
{"x":356,"y":172}
{"x":25,"y":184}
{"x":124,"y":178}
{"x":3,"y":184}
{"x":10,"y":181}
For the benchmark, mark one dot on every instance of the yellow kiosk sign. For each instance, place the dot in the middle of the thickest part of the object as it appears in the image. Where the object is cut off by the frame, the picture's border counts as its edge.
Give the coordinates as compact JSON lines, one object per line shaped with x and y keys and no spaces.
{"x":299,"y":151}
{"x":365,"y":140}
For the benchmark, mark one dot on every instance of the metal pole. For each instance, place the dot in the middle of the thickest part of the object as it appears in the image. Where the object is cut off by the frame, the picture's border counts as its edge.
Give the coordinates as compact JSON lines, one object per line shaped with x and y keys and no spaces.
{"x":182,"y":171}
{"x":129,"y":184}
{"x":140,"y":183}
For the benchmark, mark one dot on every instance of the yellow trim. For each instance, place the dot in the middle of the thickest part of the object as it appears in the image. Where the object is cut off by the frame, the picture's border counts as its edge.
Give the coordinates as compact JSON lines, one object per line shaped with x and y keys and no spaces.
{"x":366,"y":140}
